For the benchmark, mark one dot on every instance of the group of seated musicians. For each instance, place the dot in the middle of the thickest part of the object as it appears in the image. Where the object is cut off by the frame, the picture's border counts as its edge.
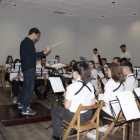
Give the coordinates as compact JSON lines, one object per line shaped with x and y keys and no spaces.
{"x":16,"y":79}
{"x":119,"y":77}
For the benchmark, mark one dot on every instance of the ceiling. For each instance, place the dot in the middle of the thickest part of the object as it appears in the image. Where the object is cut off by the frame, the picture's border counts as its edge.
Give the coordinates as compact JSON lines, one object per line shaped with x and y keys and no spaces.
{"x":80,"y":9}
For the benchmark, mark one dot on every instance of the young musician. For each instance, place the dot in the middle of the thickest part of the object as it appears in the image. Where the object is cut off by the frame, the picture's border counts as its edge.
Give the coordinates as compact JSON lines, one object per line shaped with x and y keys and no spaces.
{"x":94,"y":81}
{"x":73,"y":99}
{"x":16,"y":81}
{"x":123,"y":60}
{"x":116,"y":60}
{"x":7,"y":70}
{"x":57,"y":57}
{"x":124,"y":53}
{"x":28,"y":56}
{"x":131,"y":81}
{"x":112,"y":87}
{"x":72,"y":63}
{"x":94,"y":56}
{"x":104,"y":62}
{"x":41,"y":80}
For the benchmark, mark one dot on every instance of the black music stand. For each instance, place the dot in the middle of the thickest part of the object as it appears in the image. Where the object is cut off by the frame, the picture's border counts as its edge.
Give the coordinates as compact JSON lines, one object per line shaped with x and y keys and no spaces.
{"x":41,"y":71}
{"x":17,"y":69}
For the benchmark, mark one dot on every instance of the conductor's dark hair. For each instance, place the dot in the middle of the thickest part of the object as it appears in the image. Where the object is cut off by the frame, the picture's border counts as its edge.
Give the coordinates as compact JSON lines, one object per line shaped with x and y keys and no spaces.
{"x":104,"y":59}
{"x":34,"y":30}
{"x":57,"y":56}
{"x":83,"y":70}
{"x":9,"y":56}
{"x":118,"y":59}
{"x":95,"y":49}
{"x":43,"y":57}
{"x":123,"y":45}
{"x":129,"y":65}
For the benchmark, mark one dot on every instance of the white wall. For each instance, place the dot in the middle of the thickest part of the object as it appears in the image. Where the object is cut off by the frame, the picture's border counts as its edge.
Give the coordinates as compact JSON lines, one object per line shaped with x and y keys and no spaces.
{"x":14,"y":27}
{"x":107,"y":35}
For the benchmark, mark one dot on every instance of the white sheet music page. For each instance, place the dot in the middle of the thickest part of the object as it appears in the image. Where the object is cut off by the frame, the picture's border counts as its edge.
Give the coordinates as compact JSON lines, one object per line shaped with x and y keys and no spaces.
{"x":137,"y":91}
{"x":128,"y":105}
{"x":59,"y":65}
{"x":56,"y":84}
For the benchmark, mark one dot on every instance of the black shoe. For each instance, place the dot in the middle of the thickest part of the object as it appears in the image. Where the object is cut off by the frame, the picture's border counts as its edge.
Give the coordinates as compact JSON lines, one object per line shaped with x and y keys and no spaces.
{"x":57,"y":138}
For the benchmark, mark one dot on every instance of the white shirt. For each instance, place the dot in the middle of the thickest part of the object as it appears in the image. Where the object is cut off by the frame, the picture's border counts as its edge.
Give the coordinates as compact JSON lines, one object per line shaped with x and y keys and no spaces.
{"x":109,"y":95}
{"x":130,"y":83}
{"x":83,"y":97}
{"x":125,"y":54}
{"x":95,"y":58}
{"x":14,"y":74}
{"x":94,"y":81}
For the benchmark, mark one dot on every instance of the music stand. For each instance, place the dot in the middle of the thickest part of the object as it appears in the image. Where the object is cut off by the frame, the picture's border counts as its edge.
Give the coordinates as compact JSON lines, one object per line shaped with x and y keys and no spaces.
{"x":41,"y":71}
{"x":123,"y":121}
{"x":18,"y":70}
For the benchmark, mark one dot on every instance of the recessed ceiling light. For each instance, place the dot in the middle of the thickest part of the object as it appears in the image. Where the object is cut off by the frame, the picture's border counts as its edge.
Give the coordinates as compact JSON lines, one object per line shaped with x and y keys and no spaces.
{"x":14,"y":5}
{"x":103,"y":16}
{"x":113,"y":2}
{"x":59,"y":12}
{"x":134,"y":14}
{"x":71,"y":14}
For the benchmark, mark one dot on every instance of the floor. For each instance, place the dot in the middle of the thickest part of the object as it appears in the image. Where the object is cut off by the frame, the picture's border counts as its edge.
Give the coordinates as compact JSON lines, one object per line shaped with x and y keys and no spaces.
{"x":37,"y":131}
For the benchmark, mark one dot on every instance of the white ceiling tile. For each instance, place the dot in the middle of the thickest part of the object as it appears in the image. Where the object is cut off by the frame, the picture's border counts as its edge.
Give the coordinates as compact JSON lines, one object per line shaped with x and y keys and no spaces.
{"x":20,"y":1}
{"x":9,"y":5}
{"x":44,"y":1}
{"x":2,"y":4}
{"x":36,"y":4}
{"x":27,"y":7}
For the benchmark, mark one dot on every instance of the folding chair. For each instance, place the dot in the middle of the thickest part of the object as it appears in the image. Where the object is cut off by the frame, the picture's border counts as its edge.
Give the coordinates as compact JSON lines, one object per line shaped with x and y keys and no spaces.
{"x":82,"y":128}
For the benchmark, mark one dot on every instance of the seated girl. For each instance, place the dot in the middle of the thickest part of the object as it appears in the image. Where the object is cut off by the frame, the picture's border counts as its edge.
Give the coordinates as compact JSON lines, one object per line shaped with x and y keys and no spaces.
{"x":73,"y":98}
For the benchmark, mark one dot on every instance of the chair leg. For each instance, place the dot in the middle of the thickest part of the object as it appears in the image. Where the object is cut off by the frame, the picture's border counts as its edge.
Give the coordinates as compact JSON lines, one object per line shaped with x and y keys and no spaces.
{"x":124,"y":132}
{"x":108,"y":130}
{"x":96,"y":133}
{"x":77,"y":135}
{"x":114,"y":130}
{"x":132,"y":130}
{"x":83,"y":136}
{"x":139,"y":127}
{"x":67,"y":133}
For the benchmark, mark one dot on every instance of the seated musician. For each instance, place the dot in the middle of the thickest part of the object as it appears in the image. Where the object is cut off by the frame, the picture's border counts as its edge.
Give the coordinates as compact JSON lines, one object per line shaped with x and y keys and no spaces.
{"x":41,"y":80}
{"x":105,"y":65}
{"x":131,"y":81}
{"x":94,"y":81}
{"x":123,"y":60}
{"x":16,"y":81}
{"x":73,"y":99}
{"x":61,"y":71}
{"x":7,"y":69}
{"x":112,"y":87}
{"x":116,"y":60}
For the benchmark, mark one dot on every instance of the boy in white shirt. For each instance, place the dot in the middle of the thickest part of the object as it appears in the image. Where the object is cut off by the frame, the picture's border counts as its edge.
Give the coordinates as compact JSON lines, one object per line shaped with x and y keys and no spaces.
{"x":131,"y":81}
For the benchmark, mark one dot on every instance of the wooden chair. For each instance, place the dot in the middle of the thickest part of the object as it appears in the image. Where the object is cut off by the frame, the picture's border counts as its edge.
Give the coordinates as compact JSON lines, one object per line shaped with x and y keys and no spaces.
{"x":113,"y":120}
{"x":82,"y":128}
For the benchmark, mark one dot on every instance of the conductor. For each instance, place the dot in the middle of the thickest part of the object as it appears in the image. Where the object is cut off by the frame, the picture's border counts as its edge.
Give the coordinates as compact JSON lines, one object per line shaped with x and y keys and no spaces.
{"x":28,"y":56}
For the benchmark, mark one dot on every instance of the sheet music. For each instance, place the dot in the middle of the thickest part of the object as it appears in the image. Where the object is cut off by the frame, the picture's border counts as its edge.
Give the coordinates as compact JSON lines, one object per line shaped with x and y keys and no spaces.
{"x":59,"y":65}
{"x":137,"y":91}
{"x":17,"y":68}
{"x":128,"y":105}
{"x":57,"y":85}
